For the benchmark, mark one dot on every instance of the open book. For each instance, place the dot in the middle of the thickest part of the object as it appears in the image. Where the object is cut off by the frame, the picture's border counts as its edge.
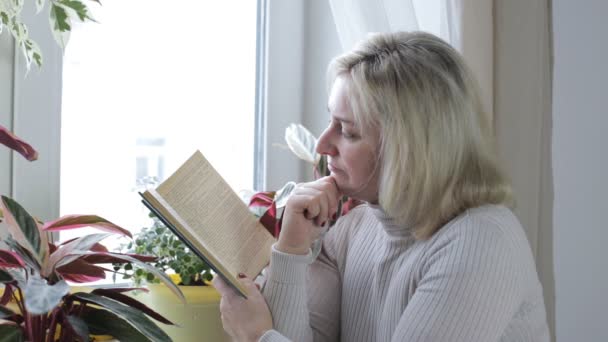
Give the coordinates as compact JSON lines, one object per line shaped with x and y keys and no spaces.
{"x":199,"y":206}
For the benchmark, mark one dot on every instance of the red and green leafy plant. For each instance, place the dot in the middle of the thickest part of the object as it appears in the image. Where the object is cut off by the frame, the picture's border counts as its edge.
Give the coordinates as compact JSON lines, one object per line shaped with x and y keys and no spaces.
{"x":35,"y":271}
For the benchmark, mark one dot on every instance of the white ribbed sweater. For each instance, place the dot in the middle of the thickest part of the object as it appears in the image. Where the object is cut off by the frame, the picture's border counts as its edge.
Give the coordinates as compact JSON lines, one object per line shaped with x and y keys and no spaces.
{"x":474,"y":280}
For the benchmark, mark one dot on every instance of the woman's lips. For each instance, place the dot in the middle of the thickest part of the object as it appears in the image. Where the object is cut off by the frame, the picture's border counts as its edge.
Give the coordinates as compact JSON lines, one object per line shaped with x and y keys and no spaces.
{"x":333,"y":169}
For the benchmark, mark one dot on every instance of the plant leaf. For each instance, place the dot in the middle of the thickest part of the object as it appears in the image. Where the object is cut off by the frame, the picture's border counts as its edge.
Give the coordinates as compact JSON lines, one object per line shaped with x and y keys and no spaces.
{"x":258,"y":211}
{"x":39,"y":5}
{"x":80,"y":221}
{"x":10,"y":259}
{"x":5,"y":277}
{"x":79,"y":327}
{"x":283,"y":194}
{"x":80,"y":271}
{"x":3,"y":20}
{"x":109,"y":259}
{"x":7,"y":294}
{"x":261,"y":202}
{"x":25,"y":254}
{"x":60,"y":25}
{"x":123,"y":289}
{"x":96,"y":247}
{"x":130,"y":301}
{"x":6,"y":312}
{"x":10,"y":333}
{"x":18,"y":275}
{"x":11,"y":141}
{"x":11,"y":7}
{"x":103,"y":322}
{"x":301,"y":142}
{"x":133,"y":316}
{"x":78,"y":7}
{"x":40,"y":297}
{"x":18,"y":29}
{"x":162,"y":276}
{"x":24,"y":228}
{"x":32,"y":52}
{"x":65,"y":254}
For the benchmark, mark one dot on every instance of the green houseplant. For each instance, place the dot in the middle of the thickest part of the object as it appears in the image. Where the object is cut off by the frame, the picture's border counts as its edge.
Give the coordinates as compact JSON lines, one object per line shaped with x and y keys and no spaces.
{"x":61,"y":15}
{"x":172,"y":256}
{"x":35,"y":271}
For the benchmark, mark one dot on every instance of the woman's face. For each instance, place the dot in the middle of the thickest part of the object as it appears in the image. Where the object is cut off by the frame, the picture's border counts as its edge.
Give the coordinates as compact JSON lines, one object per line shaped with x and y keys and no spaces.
{"x":352,"y":151}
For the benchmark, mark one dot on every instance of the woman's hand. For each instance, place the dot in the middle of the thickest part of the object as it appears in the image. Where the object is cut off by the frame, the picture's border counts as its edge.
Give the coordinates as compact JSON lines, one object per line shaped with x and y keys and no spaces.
{"x":310,"y":207}
{"x":243,"y":319}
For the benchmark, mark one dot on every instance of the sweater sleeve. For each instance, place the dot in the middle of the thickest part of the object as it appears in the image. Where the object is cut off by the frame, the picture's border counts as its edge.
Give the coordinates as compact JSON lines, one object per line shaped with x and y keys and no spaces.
{"x":470,"y":287}
{"x":304,"y":296}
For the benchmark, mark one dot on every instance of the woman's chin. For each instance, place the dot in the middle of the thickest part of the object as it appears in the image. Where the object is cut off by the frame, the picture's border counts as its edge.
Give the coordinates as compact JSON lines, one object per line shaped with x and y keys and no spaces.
{"x":358,"y":193}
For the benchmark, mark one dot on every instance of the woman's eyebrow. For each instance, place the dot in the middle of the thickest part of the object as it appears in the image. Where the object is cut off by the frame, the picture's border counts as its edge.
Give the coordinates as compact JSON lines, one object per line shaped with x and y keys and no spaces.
{"x":343,"y":120}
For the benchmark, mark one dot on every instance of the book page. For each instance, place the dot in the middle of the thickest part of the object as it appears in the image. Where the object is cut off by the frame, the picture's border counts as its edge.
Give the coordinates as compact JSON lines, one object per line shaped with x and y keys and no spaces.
{"x":217,"y":217}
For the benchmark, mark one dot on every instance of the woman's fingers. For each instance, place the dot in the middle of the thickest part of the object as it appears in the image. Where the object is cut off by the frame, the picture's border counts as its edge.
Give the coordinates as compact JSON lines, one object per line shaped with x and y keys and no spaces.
{"x":317,"y":205}
{"x":220,"y":285}
{"x":243,"y":319}
{"x":225,"y":290}
{"x":311,"y":205}
{"x":327,"y":185}
{"x":322,"y":200}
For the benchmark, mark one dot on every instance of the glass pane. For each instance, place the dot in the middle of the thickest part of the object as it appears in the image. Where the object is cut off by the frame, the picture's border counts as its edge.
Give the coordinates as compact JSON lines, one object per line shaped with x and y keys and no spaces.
{"x":143,"y":89}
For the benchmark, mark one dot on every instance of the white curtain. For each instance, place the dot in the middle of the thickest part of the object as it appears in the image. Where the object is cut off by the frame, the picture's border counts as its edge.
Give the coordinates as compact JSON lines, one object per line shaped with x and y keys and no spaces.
{"x":466,"y":24}
{"x":356,"y":18}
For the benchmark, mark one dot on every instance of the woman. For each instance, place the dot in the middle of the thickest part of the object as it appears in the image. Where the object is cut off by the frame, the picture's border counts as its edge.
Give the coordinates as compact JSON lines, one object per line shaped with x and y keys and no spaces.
{"x":434,"y":253}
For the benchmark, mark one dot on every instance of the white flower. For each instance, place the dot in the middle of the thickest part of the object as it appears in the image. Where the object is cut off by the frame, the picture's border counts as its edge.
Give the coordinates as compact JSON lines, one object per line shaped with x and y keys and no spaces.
{"x":302,"y":143}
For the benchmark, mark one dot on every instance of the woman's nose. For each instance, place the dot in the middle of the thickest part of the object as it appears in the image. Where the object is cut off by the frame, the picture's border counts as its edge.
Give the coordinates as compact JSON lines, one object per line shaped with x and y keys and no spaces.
{"x":325,"y":145}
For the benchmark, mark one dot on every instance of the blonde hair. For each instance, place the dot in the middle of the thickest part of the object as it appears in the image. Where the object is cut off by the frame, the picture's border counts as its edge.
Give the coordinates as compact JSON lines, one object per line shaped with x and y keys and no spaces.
{"x":436,"y":151}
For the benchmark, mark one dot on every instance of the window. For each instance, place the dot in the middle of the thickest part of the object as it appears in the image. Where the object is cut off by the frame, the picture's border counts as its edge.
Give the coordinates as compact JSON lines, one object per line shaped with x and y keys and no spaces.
{"x":145,"y":88}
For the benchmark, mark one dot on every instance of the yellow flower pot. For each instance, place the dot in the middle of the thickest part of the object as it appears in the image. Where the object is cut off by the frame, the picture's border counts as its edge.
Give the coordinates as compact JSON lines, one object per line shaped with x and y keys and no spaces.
{"x":198,"y":319}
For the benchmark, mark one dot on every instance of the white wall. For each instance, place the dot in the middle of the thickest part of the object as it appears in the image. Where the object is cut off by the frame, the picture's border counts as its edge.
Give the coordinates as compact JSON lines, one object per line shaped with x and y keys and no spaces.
{"x":6,"y":105}
{"x":321,"y":45}
{"x":296,"y":80}
{"x":284,"y":88}
{"x":31,"y":106}
{"x":580,"y":167}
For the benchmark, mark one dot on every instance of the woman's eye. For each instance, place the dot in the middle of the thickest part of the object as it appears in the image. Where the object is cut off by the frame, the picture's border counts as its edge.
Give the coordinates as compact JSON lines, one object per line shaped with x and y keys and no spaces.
{"x":347,"y":135}
{"x":337,"y":126}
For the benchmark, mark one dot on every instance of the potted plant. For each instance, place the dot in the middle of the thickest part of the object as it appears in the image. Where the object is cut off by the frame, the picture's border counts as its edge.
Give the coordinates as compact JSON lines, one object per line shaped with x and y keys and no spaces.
{"x":35,"y":271}
{"x":172,"y":257}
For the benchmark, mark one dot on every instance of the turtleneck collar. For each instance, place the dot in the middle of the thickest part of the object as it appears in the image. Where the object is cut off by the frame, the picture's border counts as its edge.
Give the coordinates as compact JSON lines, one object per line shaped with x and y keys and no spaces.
{"x":390,"y":225}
